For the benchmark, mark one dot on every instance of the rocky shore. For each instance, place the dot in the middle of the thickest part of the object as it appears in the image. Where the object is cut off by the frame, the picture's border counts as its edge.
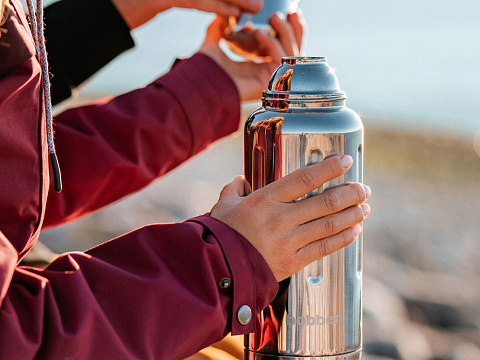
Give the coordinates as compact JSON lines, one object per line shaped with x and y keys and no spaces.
{"x":422,"y":268}
{"x":421,"y":258}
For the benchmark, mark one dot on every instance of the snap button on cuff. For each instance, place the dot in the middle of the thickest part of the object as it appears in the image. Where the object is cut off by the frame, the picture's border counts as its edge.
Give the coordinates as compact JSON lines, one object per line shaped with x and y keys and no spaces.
{"x":244,"y":314}
{"x":224,"y":283}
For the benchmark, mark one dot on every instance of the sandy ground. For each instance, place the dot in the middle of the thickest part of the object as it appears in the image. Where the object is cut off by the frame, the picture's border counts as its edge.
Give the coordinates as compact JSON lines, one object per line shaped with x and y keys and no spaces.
{"x":422,"y":264}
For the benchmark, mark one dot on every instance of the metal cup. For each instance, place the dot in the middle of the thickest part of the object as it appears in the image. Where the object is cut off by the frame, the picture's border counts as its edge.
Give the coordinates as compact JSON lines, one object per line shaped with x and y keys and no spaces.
{"x":240,"y":33}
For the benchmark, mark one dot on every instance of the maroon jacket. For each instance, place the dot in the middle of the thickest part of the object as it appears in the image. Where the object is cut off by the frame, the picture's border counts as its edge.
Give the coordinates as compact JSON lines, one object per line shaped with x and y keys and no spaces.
{"x":152,"y":293}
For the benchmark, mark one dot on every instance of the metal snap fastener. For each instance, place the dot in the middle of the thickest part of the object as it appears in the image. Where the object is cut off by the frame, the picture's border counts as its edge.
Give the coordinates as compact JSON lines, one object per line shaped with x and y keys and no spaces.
{"x":244,"y":314}
{"x":224,"y":283}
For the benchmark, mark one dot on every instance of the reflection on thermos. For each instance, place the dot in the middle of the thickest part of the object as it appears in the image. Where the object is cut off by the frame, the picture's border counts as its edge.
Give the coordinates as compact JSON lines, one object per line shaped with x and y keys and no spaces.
{"x":303,"y":120}
{"x":240,"y":36}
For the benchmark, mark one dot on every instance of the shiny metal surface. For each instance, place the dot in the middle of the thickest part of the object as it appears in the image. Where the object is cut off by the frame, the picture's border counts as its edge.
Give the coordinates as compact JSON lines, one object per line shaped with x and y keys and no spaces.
{"x":250,"y":355}
{"x":239,"y":33}
{"x":224,"y":283}
{"x":303,"y":120}
{"x":244,"y":314}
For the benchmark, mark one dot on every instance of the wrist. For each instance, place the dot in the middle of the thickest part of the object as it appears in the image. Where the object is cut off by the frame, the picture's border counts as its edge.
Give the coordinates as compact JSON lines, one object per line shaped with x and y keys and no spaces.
{"x":135,"y":15}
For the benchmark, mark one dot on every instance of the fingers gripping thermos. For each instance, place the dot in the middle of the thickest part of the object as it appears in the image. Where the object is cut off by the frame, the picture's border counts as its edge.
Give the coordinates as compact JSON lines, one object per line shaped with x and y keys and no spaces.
{"x":303,"y":120}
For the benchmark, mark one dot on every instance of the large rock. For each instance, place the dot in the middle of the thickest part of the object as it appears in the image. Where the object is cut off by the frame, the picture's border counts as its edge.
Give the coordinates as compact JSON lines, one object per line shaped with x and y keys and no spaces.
{"x":387,"y":329}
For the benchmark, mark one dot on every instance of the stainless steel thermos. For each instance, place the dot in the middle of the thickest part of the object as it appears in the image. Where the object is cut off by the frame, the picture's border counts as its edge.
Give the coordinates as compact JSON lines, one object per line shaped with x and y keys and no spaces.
{"x":303,"y":119}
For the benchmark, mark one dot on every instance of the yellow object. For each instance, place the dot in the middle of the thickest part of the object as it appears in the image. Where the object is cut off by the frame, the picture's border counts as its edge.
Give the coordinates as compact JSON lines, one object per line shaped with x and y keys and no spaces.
{"x":230,"y":348}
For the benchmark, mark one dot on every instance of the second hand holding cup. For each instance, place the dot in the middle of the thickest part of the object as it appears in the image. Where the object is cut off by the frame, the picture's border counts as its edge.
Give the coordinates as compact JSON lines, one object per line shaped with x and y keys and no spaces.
{"x":240,"y":42}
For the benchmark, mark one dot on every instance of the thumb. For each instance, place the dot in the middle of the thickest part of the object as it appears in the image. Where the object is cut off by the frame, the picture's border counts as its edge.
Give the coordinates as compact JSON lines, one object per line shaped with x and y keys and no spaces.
{"x":215,"y":30}
{"x":235,"y":189}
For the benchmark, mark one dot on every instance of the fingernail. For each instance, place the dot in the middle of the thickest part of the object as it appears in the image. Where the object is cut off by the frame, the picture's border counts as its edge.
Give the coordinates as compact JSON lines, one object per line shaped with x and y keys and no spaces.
{"x":365,"y":209}
{"x":280,"y":15}
{"x":357,"y":229}
{"x":368,"y":191}
{"x":346,"y":161}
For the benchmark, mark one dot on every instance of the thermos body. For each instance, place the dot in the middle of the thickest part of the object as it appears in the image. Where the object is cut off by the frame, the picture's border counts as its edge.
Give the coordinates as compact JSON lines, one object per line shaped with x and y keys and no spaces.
{"x":303,"y":120}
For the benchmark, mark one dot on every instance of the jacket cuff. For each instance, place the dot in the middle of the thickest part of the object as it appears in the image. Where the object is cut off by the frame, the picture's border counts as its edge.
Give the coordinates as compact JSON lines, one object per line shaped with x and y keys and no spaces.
{"x":247,"y":267}
{"x":8,"y":261}
{"x":205,"y":91}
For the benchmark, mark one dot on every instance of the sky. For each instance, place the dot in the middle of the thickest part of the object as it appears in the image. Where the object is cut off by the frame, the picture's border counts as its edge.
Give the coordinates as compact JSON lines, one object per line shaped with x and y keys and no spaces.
{"x":409,"y":63}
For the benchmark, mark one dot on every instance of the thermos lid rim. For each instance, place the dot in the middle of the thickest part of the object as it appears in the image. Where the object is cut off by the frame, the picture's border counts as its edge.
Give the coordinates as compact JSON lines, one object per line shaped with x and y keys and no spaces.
{"x":281,"y":100}
{"x":292,"y":60}
{"x":314,"y":96}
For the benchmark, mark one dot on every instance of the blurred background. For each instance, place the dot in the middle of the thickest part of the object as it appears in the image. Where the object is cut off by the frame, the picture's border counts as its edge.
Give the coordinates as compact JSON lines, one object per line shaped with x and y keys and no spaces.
{"x":410,"y":68}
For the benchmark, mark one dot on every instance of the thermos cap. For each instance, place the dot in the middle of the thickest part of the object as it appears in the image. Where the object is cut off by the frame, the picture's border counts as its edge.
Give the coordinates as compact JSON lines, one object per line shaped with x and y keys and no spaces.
{"x":303,"y":82}
{"x":261,"y":19}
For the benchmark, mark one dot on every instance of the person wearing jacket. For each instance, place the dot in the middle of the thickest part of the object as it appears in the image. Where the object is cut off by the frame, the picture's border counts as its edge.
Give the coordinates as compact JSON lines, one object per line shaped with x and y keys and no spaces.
{"x":157,"y":292}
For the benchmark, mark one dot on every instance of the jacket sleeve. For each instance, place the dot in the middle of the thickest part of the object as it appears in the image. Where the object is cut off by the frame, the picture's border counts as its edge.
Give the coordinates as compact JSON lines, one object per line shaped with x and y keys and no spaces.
{"x":150,"y":294}
{"x":113,"y":148}
{"x":70,"y":27}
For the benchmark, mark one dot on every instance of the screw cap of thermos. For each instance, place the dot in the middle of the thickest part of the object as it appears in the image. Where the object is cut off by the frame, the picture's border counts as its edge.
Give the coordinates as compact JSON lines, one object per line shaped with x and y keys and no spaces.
{"x":303,"y":82}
